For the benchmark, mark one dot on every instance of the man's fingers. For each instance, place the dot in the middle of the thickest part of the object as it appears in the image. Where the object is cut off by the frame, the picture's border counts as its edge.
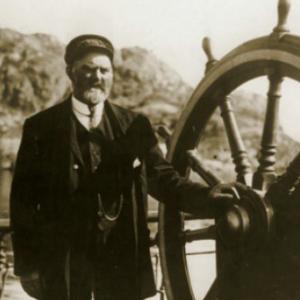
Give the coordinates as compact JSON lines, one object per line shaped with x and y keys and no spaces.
{"x":227,"y":191}
{"x":241,"y":186}
{"x":222,"y":196}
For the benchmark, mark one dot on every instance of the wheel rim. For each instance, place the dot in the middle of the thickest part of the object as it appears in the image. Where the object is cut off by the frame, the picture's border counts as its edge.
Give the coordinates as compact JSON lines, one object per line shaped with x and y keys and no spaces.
{"x":260,"y":57}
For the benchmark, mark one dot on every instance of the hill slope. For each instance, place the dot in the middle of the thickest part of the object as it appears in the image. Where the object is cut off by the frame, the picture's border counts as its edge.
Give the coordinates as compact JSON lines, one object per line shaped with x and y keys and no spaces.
{"x":33,"y":78}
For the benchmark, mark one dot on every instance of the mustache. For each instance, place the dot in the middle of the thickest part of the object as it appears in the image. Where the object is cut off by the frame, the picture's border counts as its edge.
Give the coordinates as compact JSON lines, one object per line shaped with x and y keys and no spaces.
{"x":98,"y":85}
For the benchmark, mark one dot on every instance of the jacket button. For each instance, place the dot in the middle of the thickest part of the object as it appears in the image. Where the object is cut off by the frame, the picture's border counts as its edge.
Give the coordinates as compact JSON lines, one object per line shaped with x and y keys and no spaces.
{"x":75,"y":167}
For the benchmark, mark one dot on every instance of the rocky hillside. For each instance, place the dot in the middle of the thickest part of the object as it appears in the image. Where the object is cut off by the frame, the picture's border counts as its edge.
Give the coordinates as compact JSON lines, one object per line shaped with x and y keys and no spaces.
{"x":32,"y":78}
{"x":146,"y":84}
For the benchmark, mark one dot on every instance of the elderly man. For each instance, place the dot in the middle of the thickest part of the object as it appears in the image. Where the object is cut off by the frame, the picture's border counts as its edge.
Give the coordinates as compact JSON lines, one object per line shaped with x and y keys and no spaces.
{"x":79,"y":189}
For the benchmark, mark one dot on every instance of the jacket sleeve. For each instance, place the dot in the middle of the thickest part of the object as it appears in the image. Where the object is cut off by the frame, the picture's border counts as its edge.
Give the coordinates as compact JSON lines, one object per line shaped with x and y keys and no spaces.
{"x":164,"y":182}
{"x":23,"y":204}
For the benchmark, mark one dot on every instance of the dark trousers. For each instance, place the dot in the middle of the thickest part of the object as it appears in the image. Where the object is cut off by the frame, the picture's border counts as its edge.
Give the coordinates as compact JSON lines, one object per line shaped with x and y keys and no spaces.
{"x":103,"y":275}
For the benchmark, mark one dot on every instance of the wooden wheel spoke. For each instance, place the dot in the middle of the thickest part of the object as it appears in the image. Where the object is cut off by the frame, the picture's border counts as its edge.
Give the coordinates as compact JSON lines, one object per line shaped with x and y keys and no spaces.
{"x":208,"y":233}
{"x":194,"y":161}
{"x":265,"y":173}
{"x":219,"y":288}
{"x":237,"y":147}
{"x":212,"y":293}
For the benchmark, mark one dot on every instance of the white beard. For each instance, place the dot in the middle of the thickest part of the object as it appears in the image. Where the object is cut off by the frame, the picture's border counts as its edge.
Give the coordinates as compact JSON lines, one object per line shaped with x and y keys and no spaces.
{"x":94,"y":96}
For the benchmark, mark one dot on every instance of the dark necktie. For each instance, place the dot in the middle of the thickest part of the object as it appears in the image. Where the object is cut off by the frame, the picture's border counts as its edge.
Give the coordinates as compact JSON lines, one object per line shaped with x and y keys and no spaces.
{"x":95,"y":149}
{"x":93,"y":119}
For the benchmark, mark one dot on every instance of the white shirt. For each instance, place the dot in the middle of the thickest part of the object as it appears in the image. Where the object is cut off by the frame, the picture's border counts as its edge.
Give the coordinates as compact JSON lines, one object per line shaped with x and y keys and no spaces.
{"x":82,"y":112}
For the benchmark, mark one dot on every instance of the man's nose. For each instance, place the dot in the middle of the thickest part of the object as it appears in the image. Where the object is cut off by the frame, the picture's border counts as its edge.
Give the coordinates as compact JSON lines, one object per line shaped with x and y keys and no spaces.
{"x":98,"y":74}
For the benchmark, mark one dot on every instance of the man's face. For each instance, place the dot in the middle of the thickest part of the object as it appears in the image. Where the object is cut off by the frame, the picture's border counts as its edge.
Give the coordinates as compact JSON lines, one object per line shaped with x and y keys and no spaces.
{"x":92,"y":78}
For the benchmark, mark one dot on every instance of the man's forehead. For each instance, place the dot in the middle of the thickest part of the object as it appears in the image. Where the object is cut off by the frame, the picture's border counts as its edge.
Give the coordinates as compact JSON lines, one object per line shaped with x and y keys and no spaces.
{"x":93,"y":59}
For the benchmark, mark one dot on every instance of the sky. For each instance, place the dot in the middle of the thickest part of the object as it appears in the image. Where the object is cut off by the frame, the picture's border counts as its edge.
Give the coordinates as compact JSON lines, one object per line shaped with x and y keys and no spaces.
{"x":172,"y":29}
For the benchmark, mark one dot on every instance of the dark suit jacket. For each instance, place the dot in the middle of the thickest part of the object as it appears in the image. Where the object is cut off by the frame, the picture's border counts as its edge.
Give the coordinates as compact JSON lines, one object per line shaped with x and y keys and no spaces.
{"x":46,"y":177}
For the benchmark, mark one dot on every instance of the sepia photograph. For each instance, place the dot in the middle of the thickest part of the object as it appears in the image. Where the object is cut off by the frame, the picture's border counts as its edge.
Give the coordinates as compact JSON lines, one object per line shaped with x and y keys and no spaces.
{"x":149,"y":149}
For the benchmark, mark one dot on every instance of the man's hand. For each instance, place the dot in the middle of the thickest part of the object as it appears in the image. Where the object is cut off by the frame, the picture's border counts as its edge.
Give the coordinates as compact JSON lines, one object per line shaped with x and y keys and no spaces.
{"x":224,"y":195}
{"x":31,"y":284}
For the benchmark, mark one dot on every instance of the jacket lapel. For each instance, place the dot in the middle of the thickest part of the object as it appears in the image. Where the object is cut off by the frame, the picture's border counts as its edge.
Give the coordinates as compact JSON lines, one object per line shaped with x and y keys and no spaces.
{"x":118,"y":118}
{"x":68,"y":153}
{"x":67,"y":130}
{"x":74,"y":142}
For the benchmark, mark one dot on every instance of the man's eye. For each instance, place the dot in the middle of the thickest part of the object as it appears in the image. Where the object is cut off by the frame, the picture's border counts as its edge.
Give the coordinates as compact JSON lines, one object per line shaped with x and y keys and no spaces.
{"x":87,"y":70}
{"x":87,"y":73}
{"x":104,"y":70}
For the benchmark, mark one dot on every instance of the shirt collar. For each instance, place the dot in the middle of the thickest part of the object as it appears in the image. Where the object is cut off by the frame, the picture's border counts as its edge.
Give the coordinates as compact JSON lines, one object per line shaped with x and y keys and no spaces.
{"x":83,"y":108}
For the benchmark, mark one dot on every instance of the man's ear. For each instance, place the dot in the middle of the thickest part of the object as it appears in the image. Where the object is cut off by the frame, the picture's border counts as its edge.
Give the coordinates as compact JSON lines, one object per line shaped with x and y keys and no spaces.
{"x":69,"y":71}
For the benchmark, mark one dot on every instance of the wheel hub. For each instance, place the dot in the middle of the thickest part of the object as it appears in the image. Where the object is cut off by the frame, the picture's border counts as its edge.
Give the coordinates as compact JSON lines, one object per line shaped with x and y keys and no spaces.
{"x":248,"y":222}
